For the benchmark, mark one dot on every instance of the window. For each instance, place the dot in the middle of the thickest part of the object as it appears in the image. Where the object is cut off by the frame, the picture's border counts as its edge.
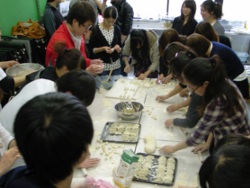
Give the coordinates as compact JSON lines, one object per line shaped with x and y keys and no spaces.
{"x":156,"y":9}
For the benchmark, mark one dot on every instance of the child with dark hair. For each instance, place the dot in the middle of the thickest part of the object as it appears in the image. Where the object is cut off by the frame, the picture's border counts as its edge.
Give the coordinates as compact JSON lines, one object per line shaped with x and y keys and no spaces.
{"x":53,"y":133}
{"x":142,"y":46}
{"x":67,"y":60}
{"x":77,"y":82}
{"x":223,"y":110}
{"x":167,"y":37}
{"x":228,"y":167}
{"x":194,"y":101}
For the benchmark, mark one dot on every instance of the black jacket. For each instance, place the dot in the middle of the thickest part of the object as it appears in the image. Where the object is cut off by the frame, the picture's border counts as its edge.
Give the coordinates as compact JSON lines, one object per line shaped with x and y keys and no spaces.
{"x":125,"y":16}
{"x":98,"y":40}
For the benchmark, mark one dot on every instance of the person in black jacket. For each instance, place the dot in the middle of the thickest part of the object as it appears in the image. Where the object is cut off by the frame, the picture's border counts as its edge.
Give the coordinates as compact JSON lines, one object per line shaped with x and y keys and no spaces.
{"x":185,"y":24}
{"x":124,"y":21}
{"x":105,"y":42}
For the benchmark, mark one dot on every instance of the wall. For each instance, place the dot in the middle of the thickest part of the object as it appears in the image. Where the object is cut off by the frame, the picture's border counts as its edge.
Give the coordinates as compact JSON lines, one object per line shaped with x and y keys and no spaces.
{"x":12,"y":11}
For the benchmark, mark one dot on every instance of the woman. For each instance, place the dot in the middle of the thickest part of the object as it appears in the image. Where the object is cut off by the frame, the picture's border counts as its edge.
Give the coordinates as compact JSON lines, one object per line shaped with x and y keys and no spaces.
{"x":211,"y":12}
{"x":234,"y":68}
{"x":142,"y":45}
{"x":105,"y":42}
{"x":223,"y":110}
{"x":204,"y":28}
{"x":167,"y":37}
{"x":185,"y":24}
{"x":52,"y":18}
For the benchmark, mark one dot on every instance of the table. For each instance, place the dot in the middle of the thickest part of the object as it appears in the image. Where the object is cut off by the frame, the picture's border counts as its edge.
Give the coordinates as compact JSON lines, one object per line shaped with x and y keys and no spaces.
{"x":152,"y":122}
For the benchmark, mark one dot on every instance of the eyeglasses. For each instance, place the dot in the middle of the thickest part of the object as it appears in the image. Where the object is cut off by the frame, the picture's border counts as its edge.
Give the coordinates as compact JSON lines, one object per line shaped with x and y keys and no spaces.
{"x":87,"y":28}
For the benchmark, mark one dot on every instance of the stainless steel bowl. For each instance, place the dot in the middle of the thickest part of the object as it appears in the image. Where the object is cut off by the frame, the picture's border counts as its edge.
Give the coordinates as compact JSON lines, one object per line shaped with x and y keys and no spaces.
{"x":23,"y":69}
{"x":129,"y":110}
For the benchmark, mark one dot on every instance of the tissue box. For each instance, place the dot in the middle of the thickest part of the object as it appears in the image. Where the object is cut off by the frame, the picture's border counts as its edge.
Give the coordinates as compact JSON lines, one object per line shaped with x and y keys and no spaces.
{"x":243,"y":56}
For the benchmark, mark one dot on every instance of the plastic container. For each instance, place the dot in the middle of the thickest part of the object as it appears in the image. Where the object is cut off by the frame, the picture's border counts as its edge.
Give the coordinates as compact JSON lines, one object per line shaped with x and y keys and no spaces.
{"x":124,"y":173}
{"x":243,"y":56}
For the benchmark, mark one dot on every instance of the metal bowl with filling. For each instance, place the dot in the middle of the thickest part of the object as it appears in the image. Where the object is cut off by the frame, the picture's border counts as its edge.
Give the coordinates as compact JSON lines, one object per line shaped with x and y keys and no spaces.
{"x":129,"y":110}
{"x":23,"y":69}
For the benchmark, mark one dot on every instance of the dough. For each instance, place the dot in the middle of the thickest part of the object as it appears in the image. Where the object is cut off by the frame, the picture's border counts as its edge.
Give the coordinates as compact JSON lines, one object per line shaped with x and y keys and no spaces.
{"x":150,"y":148}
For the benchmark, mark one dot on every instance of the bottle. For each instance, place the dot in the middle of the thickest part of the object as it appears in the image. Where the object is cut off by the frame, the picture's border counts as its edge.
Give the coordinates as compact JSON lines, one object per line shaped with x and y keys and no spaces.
{"x":124,"y":173}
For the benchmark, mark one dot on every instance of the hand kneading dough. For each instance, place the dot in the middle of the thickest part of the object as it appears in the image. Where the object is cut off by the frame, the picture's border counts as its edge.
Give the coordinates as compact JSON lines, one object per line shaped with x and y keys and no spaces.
{"x":150,"y":148}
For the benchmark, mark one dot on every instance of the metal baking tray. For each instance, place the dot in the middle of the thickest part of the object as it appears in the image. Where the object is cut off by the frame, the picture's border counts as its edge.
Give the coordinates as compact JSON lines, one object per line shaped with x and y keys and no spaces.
{"x":112,"y":137}
{"x":151,"y":175}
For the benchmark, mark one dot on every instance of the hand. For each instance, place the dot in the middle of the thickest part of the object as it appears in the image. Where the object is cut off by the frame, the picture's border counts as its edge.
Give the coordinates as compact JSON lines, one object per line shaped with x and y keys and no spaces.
{"x":117,"y":48}
{"x":89,"y":163}
{"x":201,"y":148}
{"x":167,"y":150}
{"x":173,"y":107}
{"x":161,"y":98}
{"x":159,"y":79}
{"x":127,"y":69}
{"x":142,"y":76}
{"x":95,"y":67}
{"x":7,"y":64}
{"x":169,"y":123}
{"x":184,"y":93}
{"x":8,"y":159}
{"x":108,"y":50}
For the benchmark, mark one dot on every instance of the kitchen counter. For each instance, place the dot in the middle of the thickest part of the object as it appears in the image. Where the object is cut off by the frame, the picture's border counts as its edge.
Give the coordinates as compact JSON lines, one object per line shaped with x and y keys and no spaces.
{"x":152,"y":122}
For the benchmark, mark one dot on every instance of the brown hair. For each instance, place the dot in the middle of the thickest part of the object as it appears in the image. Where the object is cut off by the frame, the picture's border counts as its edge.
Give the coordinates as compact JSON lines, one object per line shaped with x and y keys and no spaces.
{"x":168,"y":36}
{"x":198,"y":43}
{"x":205,"y":28}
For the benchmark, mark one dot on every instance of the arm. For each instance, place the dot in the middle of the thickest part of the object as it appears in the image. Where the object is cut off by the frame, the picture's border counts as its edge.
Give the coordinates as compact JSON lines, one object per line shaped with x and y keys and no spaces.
{"x":171,"y":149}
{"x":204,"y":146}
{"x":49,"y":21}
{"x":175,"y":107}
{"x":173,"y":92}
{"x":127,"y":21}
{"x":7,"y":64}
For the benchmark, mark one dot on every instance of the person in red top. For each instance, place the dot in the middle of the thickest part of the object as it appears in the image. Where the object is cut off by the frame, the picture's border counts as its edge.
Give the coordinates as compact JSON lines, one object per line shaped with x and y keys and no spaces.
{"x":78,"y":23}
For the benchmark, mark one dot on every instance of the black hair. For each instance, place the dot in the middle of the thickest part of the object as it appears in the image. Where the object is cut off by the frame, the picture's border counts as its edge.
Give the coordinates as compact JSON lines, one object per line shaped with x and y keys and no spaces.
{"x":52,"y":132}
{"x":228,"y":167}
{"x":200,"y":70}
{"x":190,"y":4}
{"x":139,"y":37}
{"x":80,"y":84}
{"x":82,"y":12}
{"x":110,"y":12}
{"x":232,"y":139}
{"x":178,"y":63}
{"x":213,"y":8}
{"x":171,"y":51}
{"x":72,"y":58}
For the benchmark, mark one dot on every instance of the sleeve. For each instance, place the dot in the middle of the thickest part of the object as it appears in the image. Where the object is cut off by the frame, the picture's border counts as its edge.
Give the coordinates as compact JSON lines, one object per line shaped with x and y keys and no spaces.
{"x":49,"y":21}
{"x":213,"y":115}
{"x":128,"y":20}
{"x":126,"y":51}
{"x":155,"y":57}
{"x":193,"y":115}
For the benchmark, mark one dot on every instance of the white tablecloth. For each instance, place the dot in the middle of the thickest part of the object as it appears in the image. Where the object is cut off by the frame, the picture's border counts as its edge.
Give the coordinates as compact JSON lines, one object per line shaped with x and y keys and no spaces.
{"x":152,"y":121}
